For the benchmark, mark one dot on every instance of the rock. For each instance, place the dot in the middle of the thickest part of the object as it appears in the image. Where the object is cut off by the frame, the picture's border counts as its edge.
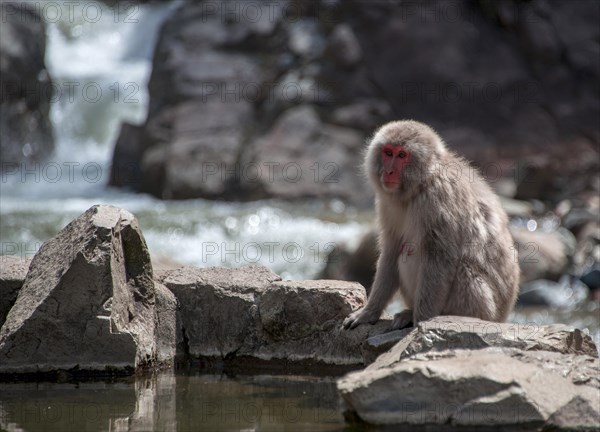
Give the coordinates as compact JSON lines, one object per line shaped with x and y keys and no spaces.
{"x":218,"y":299}
{"x":592,"y":279}
{"x":518,"y":208}
{"x":480,"y":388}
{"x":305,"y":39}
{"x":578,"y":218}
{"x":25,"y":88}
{"x":358,"y":264}
{"x":512,"y":63}
{"x":192,"y":149}
{"x":161,"y":263}
{"x":166,"y":331}
{"x":327,"y":166}
{"x":343,"y":45}
{"x":125,"y":169}
{"x":88,"y":304}
{"x":393,"y":37}
{"x":248,"y":319}
{"x":465,"y":371}
{"x":554,"y":176}
{"x":202,"y":91}
{"x":449,"y":89}
{"x":542,"y":255}
{"x":13,"y":270}
{"x":568,"y":293}
{"x":452,"y":333}
{"x":365,"y":114}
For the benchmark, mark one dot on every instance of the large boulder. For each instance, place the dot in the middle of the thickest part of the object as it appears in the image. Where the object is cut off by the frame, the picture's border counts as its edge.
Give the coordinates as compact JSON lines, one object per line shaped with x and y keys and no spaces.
{"x":464,"y":371}
{"x":327,"y":167}
{"x":228,"y":316}
{"x":481,"y":388}
{"x":25,"y":87}
{"x":542,"y":254}
{"x":89,"y":303}
{"x":200,"y":109}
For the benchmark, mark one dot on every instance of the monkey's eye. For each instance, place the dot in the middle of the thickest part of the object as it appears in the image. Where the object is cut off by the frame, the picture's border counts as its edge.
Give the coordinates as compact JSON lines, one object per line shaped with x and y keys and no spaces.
{"x":401,"y":154}
{"x":388,"y":152}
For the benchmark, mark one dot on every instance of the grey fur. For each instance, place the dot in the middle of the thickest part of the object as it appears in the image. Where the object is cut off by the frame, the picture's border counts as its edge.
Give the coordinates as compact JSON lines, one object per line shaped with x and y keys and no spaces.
{"x":443,"y":235}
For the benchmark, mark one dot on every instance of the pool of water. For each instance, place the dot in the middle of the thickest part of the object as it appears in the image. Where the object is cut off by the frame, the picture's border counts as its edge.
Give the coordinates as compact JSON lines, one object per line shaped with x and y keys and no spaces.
{"x":174,"y":402}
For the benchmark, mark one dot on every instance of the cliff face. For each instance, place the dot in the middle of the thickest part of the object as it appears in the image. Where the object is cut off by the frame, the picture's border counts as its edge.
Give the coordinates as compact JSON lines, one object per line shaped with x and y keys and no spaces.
{"x":501,"y":82}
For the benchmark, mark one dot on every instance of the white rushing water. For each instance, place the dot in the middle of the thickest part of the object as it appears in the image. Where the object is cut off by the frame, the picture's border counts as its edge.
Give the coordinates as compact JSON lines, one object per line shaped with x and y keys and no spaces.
{"x":100,"y":61}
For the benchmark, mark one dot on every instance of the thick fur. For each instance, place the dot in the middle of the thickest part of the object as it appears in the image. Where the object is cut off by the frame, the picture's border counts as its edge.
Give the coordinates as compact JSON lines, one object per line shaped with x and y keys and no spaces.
{"x":443,"y":235}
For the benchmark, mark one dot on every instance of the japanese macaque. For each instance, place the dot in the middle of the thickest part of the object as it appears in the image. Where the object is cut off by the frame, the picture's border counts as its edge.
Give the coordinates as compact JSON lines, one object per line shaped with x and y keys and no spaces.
{"x":443,"y":236}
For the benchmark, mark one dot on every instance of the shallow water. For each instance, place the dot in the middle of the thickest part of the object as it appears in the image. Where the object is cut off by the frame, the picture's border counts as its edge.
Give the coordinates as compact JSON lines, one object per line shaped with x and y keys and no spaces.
{"x":170,"y":402}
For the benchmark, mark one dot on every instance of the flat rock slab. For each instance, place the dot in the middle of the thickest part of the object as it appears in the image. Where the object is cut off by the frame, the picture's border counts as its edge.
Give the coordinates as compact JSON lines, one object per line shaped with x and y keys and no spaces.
{"x":468,"y":372}
{"x":88,"y":303}
{"x":453,"y":332}
{"x":249,"y":317}
{"x":481,"y":388}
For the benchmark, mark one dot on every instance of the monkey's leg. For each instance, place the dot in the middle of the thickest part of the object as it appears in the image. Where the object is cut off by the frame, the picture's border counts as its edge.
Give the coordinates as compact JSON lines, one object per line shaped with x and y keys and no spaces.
{"x":402,"y":320}
{"x":386,"y":282}
{"x":438,"y":273}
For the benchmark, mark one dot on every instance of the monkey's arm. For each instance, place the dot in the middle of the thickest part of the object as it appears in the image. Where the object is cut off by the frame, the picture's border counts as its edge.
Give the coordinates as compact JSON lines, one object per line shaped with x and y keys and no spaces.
{"x":386,"y":282}
{"x":438,"y":272}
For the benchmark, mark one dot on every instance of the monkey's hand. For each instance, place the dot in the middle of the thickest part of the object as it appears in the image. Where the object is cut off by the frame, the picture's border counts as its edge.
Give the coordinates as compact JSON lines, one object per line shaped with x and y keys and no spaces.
{"x":360,"y":316}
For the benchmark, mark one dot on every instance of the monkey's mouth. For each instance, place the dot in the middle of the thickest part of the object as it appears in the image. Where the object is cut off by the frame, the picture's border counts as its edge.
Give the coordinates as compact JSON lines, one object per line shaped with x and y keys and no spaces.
{"x":390,"y":185}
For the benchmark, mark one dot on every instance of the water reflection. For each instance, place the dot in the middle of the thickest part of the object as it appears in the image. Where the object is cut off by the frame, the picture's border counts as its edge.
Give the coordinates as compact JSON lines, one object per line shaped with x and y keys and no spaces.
{"x":170,"y":402}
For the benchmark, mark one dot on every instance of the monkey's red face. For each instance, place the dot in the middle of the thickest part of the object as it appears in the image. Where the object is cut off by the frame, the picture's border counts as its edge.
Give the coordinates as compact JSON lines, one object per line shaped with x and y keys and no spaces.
{"x":394,"y":160}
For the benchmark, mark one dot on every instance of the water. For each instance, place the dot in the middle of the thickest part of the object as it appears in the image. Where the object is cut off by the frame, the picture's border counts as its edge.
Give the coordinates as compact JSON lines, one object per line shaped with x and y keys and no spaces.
{"x":170,"y":402}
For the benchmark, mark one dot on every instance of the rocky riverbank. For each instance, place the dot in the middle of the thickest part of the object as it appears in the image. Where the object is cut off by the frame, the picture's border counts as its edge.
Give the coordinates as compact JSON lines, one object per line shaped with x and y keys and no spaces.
{"x":89,"y":305}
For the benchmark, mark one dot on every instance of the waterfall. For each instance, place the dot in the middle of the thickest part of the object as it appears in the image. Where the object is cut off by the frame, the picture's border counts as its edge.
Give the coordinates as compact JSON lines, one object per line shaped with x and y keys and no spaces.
{"x":100,"y":59}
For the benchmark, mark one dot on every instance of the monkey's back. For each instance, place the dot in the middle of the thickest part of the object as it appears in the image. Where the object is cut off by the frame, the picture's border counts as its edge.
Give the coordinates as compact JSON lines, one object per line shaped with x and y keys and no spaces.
{"x":465,"y":221}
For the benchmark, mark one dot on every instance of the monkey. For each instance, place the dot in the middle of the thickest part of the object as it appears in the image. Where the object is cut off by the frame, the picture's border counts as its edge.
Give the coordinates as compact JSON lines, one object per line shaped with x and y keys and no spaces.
{"x":443,"y":234}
